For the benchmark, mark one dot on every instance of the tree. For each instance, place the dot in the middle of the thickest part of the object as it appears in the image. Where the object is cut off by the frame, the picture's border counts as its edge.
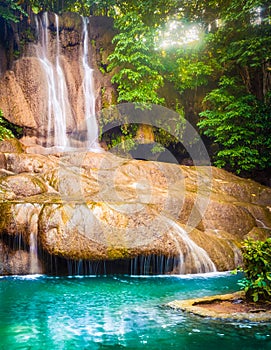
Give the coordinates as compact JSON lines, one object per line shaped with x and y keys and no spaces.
{"x":11,"y":10}
{"x":237,"y":113}
{"x":137,"y":67}
{"x":240,"y":124}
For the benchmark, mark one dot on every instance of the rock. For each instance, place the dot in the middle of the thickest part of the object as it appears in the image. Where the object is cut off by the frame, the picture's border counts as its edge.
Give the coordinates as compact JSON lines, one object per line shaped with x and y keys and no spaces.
{"x":224,"y":307}
{"x":96,"y":206}
{"x":24,"y":185}
{"x":13,"y":262}
{"x":13,"y":102}
{"x":11,"y":146}
{"x":3,"y":163}
{"x":33,"y":163}
{"x":24,"y":92}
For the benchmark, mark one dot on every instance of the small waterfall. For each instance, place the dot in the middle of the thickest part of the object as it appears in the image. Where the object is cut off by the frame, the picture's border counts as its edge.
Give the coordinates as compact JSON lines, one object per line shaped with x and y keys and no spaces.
{"x":35,"y":266}
{"x":59,"y":106}
{"x":141,"y":265}
{"x":153,"y":265}
{"x":63,"y":104}
{"x":198,"y":256}
{"x":58,"y":103}
{"x":88,"y":88}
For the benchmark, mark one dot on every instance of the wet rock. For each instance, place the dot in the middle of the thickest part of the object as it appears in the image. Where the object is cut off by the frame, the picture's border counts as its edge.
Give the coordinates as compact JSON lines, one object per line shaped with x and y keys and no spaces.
{"x":13,"y":102}
{"x":24,"y":89}
{"x":225,"y":307}
{"x":13,"y":262}
{"x":96,"y":206}
{"x":11,"y":146}
{"x":24,"y":185}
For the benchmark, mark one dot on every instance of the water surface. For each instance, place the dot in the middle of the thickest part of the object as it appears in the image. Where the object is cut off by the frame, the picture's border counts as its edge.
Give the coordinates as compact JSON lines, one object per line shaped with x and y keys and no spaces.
{"x":118,"y":312}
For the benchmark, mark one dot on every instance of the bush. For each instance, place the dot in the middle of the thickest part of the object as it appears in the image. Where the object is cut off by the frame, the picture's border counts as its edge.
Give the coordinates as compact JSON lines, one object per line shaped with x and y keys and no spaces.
{"x":8,"y":130}
{"x":257,"y":270}
{"x":240,"y":124}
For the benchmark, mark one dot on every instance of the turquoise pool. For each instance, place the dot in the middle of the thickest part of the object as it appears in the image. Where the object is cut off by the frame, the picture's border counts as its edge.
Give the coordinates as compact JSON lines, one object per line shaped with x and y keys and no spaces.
{"x":118,"y":312}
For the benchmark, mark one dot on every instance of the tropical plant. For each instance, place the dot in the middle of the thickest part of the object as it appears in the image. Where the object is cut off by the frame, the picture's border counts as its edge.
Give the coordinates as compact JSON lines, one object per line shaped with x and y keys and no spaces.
{"x":137,"y":68}
{"x":236,"y":114}
{"x":5,"y":132}
{"x":11,"y":11}
{"x":240,"y":124}
{"x":257,"y":270}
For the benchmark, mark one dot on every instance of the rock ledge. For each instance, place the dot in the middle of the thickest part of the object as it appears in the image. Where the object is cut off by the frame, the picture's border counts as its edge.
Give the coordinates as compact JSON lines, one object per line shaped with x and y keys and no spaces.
{"x":207,"y":307}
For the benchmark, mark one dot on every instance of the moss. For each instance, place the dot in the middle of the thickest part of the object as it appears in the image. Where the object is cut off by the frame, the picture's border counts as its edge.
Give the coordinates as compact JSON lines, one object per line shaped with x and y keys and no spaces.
{"x":70,"y":21}
{"x":117,"y":253}
{"x":7,"y":216}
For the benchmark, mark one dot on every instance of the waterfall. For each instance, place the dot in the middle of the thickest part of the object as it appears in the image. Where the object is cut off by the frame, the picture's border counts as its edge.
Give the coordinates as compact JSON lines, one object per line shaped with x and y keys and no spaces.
{"x":63,"y":104}
{"x":35,"y":266}
{"x":88,"y":88}
{"x":58,"y":103}
{"x":200,"y":260}
{"x":59,"y":110}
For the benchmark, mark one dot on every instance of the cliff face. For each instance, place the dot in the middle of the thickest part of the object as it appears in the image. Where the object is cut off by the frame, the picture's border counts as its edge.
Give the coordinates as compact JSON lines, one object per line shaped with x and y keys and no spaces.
{"x":27,"y":87}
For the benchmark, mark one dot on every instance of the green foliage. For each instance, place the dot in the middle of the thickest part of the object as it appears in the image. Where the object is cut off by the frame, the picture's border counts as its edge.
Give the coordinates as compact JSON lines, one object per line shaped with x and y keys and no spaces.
{"x":257,"y":270}
{"x":11,"y":11}
{"x":137,"y":67}
{"x":189,"y":67}
{"x":8,"y":130}
{"x":5,"y":133}
{"x":123,"y":138}
{"x":240,"y":124}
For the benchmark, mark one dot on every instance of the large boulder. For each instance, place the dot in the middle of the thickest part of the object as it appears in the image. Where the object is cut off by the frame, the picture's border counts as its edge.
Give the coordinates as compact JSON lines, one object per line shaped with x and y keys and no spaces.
{"x":99,"y":207}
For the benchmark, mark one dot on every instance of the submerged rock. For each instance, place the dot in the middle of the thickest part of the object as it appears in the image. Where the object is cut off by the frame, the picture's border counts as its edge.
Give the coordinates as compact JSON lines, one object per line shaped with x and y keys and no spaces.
{"x":230,"y":307}
{"x":96,"y":206}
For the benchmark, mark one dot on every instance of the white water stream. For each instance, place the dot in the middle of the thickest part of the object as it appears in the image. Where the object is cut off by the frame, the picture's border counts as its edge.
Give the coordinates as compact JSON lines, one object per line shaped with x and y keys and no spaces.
{"x":89,"y":92}
{"x":58,"y":103}
{"x":199,"y":257}
{"x":35,"y":266}
{"x":59,"y":109}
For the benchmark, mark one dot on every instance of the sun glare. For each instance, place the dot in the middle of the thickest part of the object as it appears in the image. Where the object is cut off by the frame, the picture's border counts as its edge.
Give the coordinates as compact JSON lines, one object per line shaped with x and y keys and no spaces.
{"x":177,"y":34}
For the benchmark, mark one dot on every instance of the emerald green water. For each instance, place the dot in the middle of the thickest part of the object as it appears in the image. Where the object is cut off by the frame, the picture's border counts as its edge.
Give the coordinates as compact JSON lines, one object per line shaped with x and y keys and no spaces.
{"x":118,"y":312}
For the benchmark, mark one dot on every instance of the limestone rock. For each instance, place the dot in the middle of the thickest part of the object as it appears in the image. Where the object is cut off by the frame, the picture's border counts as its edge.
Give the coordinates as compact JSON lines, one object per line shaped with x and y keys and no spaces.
{"x":24,"y":185}
{"x":13,"y":262}
{"x":13,"y":102}
{"x":11,"y":146}
{"x":96,"y":206}
{"x":25,"y":91}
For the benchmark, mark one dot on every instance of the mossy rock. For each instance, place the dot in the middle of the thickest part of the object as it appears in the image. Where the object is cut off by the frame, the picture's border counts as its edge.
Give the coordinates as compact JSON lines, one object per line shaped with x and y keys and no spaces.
{"x":11,"y":146}
{"x":23,"y":185}
{"x":117,"y":253}
{"x":71,"y":21}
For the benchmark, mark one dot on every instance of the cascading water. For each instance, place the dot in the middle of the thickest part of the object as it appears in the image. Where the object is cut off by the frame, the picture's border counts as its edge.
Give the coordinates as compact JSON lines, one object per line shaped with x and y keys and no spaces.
{"x":58,"y":103}
{"x":63,"y":102}
{"x":89,"y":96}
{"x":59,"y":110}
{"x":35,"y":266}
{"x":199,"y":258}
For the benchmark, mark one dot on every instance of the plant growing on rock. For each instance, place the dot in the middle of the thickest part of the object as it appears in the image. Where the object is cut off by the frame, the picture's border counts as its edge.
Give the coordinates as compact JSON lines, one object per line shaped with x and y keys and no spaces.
{"x":11,"y":11}
{"x":7,"y":129}
{"x":257,"y":269}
